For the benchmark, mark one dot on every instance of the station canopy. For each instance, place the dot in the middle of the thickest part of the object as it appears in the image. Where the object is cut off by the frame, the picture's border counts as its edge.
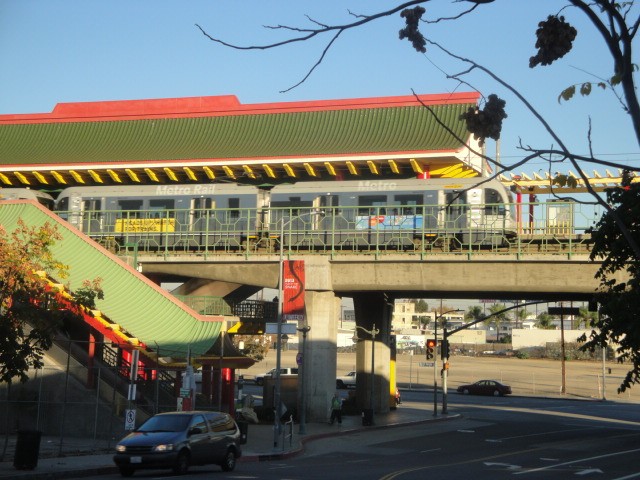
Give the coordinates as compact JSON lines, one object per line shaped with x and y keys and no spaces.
{"x":219,"y":139}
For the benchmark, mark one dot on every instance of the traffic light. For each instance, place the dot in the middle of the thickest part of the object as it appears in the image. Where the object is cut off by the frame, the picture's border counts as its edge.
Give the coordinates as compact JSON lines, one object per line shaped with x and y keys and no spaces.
{"x":444,"y":349}
{"x":431,"y":348}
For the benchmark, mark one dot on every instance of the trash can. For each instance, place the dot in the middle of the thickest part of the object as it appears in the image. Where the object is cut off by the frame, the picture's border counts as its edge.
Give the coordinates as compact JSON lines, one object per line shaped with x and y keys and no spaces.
{"x":27,"y":450}
{"x":244,"y":429}
{"x":367,"y":417}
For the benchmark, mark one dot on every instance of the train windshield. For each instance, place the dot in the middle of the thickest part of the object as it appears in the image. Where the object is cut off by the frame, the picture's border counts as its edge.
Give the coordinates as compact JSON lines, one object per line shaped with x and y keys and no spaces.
{"x":494,"y":203}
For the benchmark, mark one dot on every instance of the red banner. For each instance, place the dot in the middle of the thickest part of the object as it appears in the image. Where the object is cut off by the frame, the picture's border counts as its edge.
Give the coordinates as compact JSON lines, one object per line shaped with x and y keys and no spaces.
{"x":293,"y":290}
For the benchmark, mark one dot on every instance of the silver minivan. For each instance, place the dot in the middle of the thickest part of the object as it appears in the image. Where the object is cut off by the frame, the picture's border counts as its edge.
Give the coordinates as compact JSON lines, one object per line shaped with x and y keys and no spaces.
{"x":177,"y":440}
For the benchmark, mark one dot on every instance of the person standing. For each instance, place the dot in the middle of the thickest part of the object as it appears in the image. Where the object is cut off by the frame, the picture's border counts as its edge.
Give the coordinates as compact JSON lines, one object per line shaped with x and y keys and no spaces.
{"x":336,"y":409}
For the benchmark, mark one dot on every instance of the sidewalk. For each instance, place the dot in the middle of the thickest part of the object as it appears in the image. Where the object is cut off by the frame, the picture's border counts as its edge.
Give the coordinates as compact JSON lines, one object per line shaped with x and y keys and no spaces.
{"x":86,"y":457}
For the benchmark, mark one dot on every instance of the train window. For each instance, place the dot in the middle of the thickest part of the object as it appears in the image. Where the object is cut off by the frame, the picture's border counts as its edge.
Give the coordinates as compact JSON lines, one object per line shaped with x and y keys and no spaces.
{"x":493,"y":202}
{"x":234,"y":205}
{"x":92,"y":207}
{"x":293,"y":204}
{"x":409,"y":204}
{"x":158,"y":208}
{"x":375,"y":204}
{"x":131,"y":208}
{"x":63,"y":204}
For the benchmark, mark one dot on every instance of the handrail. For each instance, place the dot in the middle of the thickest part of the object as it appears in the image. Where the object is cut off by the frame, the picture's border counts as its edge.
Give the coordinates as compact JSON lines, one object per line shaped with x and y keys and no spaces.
{"x":288,"y":425}
{"x":245,"y":309}
{"x":555,"y":228}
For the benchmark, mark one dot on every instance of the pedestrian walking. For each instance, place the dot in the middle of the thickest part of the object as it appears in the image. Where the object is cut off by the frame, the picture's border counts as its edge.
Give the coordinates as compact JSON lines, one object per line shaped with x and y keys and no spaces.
{"x":336,"y":409}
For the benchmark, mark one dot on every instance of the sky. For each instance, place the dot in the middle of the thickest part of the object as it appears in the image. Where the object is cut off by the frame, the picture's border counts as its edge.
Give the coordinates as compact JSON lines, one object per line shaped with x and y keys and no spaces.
{"x":81,"y":50}
{"x":55,"y":51}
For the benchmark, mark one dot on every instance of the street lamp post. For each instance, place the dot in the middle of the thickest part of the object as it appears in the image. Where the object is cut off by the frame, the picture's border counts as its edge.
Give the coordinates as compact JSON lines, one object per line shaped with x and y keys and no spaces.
{"x":277,"y":393}
{"x":444,"y":369}
{"x":373,"y":332}
{"x":303,"y":394}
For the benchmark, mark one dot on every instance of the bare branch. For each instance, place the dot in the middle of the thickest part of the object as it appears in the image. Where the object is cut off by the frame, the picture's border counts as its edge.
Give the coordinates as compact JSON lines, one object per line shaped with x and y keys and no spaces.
{"x":318,"y":62}
{"x":565,"y":151}
{"x":311,"y":33}
{"x":456,"y":17}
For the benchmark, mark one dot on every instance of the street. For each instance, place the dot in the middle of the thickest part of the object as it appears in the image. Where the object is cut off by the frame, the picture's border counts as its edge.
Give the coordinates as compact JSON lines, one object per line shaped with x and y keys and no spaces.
{"x":493,"y":437}
{"x":528,"y":377}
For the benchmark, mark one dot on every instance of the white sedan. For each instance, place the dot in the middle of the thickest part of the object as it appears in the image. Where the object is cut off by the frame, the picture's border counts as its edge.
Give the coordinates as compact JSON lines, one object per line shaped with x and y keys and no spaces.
{"x":346,"y":381}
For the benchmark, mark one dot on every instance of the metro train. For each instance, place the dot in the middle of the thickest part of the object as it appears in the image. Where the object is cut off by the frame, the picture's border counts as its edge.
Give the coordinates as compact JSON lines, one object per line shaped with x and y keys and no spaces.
{"x":27,"y":194}
{"x":349,"y":214}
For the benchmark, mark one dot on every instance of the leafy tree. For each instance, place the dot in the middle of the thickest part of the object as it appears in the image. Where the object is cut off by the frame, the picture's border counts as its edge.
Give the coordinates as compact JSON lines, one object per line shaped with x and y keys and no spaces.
{"x":584,"y":319}
{"x":474,"y":313}
{"x":29,"y":310}
{"x":519,"y":316}
{"x":545,"y":321}
{"x":616,"y":235}
{"x":421,"y":306}
{"x":619,"y":297}
{"x":498,"y":317}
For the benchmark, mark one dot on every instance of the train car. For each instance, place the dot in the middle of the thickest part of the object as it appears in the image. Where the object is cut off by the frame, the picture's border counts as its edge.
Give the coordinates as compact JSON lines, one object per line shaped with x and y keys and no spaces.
{"x":27,"y":194}
{"x":161,"y":216}
{"x":396,"y":213}
{"x":349,"y":214}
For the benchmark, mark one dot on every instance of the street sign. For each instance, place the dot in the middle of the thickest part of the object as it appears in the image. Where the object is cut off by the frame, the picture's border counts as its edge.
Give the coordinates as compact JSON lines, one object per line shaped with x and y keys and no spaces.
{"x":286,"y":329}
{"x":132,"y":392}
{"x":427,"y":364}
{"x":130,"y":419}
{"x":185,"y":392}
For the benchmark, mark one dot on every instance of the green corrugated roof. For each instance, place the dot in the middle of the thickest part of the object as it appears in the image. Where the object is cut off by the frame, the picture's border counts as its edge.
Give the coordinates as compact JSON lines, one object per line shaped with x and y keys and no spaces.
{"x":333,"y":132}
{"x":130,"y":301}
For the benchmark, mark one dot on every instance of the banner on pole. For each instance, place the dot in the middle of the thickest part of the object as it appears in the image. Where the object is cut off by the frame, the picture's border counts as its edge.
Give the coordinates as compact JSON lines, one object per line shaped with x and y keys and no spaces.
{"x":293,"y":290}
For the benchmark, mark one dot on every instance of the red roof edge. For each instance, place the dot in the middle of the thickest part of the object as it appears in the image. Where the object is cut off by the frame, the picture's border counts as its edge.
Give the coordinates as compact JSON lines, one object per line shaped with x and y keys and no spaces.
{"x":223,"y":105}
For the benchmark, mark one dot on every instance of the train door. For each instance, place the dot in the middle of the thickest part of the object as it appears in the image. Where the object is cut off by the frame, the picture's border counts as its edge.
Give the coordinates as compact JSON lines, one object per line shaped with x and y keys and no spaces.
{"x":455,"y":212}
{"x":331,"y":222}
{"x":496,"y":217}
{"x":263,"y":213}
{"x":93,"y":216}
{"x":198,"y":211}
{"x":70,"y":209}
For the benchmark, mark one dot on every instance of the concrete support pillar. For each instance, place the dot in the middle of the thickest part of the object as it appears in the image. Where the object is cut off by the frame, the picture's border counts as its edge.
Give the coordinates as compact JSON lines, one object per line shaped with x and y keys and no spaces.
{"x":373,"y":308}
{"x":322,"y":312}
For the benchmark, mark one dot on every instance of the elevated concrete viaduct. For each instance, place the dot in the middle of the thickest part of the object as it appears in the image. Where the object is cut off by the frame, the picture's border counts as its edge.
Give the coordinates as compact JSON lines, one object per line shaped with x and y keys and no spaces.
{"x":374,"y":283}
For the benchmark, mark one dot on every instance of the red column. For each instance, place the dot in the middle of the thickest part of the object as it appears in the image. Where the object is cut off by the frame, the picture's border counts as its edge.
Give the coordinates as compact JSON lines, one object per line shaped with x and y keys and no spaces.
{"x":91,"y":374}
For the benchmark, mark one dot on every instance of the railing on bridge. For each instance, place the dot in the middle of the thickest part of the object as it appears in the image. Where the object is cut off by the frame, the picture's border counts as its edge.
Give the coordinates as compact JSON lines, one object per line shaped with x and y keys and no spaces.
{"x":245,"y":309}
{"x":528,"y":228}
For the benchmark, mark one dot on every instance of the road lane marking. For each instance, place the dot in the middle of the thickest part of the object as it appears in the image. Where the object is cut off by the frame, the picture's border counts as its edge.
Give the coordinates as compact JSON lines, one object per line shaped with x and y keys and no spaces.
{"x":508,"y":466}
{"x":598,"y":457}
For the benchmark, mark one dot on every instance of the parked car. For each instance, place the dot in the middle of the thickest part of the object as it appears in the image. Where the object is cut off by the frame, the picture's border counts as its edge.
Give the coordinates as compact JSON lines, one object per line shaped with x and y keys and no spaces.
{"x":485,"y":387}
{"x":283,"y":371}
{"x":177,"y":440}
{"x":346,"y":381}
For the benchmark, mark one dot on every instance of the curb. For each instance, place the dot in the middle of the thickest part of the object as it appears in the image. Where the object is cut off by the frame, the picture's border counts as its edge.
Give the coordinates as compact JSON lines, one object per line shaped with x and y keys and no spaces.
{"x":319,"y":436}
{"x":71,"y":473}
